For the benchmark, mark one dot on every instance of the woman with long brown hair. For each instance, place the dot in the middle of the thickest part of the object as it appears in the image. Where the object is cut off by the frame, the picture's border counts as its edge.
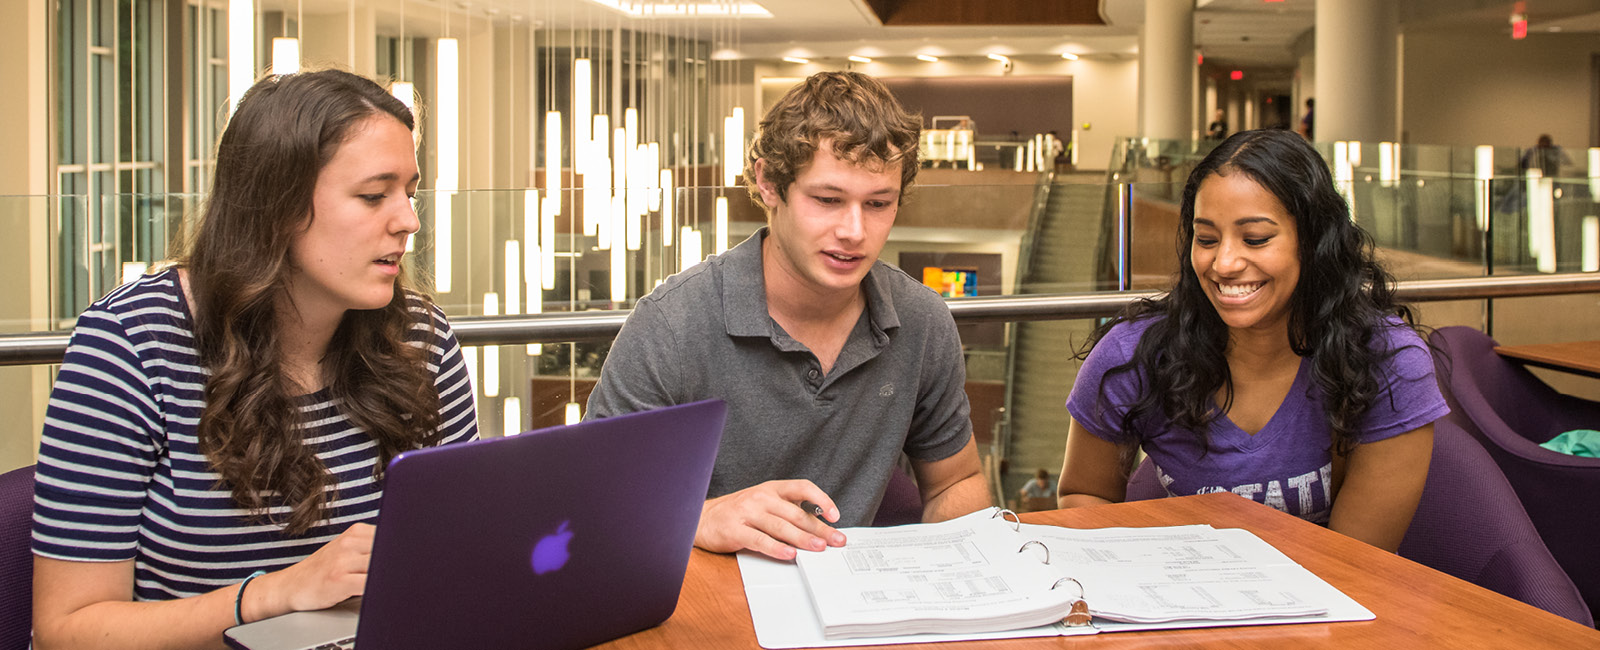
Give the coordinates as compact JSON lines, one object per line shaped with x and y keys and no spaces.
{"x":214,"y":445}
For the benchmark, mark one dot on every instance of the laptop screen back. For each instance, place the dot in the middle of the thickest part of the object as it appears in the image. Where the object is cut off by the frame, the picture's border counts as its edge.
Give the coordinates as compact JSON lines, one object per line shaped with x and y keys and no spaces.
{"x":559,"y":538}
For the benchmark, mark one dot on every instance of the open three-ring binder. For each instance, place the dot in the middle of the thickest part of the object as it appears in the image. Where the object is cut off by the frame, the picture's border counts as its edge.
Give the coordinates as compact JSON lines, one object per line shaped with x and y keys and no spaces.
{"x":986,"y":576}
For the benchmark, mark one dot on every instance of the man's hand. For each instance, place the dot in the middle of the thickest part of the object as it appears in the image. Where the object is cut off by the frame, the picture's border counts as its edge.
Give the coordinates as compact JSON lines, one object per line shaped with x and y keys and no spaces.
{"x":768,"y":518}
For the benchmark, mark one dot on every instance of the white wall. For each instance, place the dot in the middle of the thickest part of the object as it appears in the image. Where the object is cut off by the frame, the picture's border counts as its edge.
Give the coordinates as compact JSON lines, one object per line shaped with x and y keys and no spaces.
{"x":1475,"y":89}
{"x":327,"y":40}
{"x":1104,"y":96}
{"x":1104,"y":93}
{"x":24,"y":216}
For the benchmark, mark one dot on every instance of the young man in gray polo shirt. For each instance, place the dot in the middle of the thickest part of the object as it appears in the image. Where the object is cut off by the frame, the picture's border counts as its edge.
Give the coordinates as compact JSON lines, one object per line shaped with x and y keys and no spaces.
{"x":833,"y":364}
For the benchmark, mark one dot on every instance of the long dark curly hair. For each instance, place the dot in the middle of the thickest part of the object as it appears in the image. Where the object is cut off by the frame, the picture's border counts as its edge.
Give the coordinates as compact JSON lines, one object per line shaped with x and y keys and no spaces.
{"x":286,"y":129}
{"x":1343,"y":300}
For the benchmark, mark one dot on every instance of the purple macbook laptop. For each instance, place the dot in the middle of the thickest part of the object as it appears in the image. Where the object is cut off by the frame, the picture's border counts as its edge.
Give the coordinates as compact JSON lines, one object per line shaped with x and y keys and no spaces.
{"x":559,"y":538}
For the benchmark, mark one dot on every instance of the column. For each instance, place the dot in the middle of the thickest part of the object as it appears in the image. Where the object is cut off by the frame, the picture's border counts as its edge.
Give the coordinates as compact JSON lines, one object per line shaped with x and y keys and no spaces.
{"x":1166,"y":74}
{"x":24,"y":214}
{"x":1356,"y":60}
{"x":1237,"y":120}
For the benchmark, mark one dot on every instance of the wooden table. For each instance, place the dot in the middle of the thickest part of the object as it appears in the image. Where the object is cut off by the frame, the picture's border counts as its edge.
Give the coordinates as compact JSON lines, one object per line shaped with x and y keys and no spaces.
{"x":1581,"y":357}
{"x":1416,"y":607}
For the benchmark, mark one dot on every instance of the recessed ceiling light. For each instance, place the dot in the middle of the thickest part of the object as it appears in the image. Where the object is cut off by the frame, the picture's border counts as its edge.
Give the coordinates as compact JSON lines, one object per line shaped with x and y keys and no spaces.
{"x":928,"y":57}
{"x":1069,"y":56}
{"x":796,"y":59}
{"x":1000,"y":57}
{"x":860,"y":59}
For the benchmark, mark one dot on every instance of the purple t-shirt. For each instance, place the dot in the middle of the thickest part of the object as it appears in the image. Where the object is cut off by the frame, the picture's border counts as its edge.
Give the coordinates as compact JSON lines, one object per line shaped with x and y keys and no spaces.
{"x":1288,"y":463}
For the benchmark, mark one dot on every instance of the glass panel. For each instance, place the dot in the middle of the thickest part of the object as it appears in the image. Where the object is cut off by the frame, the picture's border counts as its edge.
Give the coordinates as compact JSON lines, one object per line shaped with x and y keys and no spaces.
{"x":71,"y":245}
{"x":103,"y":23}
{"x":102,"y":110}
{"x":961,"y":240}
{"x":126,"y":64}
{"x":20,"y":217}
{"x":70,"y":74}
{"x":129,"y":235}
{"x":219,"y":33}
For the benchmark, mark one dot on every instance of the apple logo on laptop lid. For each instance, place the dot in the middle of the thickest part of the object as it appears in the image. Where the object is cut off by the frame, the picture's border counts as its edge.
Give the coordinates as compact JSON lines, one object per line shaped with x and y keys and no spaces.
{"x":551,"y":553}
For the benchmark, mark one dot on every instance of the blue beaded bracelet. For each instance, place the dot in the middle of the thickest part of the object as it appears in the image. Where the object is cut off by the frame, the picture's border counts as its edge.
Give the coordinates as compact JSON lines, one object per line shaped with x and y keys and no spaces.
{"x":238,"y":598}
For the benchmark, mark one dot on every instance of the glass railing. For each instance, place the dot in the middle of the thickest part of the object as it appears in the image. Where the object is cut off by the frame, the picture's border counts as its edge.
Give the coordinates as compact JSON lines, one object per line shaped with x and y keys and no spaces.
{"x":964,"y":241}
{"x":1503,"y":209}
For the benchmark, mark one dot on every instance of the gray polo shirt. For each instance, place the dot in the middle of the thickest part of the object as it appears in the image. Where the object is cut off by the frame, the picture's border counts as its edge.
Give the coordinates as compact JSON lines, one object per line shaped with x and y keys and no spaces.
{"x":897,"y":386}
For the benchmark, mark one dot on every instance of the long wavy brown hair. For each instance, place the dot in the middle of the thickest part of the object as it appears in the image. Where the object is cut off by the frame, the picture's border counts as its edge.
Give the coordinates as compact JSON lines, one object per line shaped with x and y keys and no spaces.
{"x":286,"y":129}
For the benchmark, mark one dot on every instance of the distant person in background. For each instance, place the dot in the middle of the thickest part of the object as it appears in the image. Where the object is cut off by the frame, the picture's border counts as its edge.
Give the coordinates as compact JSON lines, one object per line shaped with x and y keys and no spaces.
{"x":1308,"y":123}
{"x":1219,"y":126}
{"x":1059,"y":154}
{"x":1037,"y":487}
{"x":1545,"y":157}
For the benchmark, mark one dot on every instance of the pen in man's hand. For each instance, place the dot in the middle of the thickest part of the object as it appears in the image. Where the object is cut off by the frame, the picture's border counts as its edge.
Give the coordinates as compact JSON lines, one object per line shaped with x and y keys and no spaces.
{"x":812,"y":508}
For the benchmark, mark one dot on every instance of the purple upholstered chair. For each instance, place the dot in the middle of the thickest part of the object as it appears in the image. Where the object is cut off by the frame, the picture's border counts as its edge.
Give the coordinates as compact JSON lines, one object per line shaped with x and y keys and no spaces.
{"x":1471,"y":525}
{"x":1143,"y":484}
{"x":16,"y":559}
{"x":1510,"y":411}
{"x":902,"y":502}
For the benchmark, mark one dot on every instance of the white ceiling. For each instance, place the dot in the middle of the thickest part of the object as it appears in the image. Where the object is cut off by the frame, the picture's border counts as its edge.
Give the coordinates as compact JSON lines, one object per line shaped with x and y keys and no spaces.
{"x":1232,"y":33}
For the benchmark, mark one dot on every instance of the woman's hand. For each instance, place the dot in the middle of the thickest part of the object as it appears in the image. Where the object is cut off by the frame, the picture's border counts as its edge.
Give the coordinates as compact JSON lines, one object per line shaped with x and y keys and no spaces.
{"x":334,"y":573}
{"x":90,"y":604}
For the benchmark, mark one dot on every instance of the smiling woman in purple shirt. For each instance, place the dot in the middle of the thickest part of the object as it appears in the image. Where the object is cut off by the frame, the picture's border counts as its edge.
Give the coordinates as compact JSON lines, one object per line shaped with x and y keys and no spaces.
{"x":1279,"y":367}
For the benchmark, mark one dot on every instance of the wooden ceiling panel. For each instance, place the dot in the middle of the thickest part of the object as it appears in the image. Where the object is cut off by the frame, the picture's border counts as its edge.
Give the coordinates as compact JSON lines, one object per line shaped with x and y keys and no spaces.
{"x":918,"y":13}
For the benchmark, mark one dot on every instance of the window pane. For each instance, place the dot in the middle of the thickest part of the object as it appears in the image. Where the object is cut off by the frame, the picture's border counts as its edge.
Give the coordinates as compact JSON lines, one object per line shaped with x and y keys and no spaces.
{"x":71,"y":100}
{"x":126,"y":63}
{"x":102,"y":80}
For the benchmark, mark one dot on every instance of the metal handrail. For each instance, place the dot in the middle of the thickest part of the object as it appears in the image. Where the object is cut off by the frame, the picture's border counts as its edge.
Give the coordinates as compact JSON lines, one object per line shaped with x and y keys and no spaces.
{"x":48,"y":347}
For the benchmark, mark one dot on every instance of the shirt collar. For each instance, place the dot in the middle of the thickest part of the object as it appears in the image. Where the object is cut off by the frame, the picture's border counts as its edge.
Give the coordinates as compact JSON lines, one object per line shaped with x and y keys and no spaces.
{"x":744,"y":292}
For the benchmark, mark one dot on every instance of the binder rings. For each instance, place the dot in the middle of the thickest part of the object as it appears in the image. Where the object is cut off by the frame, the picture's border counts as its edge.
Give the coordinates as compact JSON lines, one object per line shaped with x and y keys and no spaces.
{"x":987,"y":576}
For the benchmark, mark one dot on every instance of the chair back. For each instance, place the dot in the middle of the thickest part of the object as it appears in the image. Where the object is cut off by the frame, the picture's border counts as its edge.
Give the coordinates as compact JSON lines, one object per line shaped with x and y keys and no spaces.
{"x":902,"y":502}
{"x":1510,"y":411}
{"x":1471,"y":525}
{"x":16,"y":559}
{"x":1143,"y":484}
{"x":1498,"y":395}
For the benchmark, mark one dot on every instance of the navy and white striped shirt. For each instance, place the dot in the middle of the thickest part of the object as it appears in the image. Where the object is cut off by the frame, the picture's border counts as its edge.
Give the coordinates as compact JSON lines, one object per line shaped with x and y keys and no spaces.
{"x":120,"y":473}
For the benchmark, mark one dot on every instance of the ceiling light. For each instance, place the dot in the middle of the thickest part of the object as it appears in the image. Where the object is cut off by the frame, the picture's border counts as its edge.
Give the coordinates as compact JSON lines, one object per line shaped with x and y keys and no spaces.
{"x":1000,"y":57}
{"x":860,"y":59}
{"x":686,"y":10}
{"x":241,"y":50}
{"x":796,"y":59}
{"x":1069,"y":56}
{"x":928,"y":57}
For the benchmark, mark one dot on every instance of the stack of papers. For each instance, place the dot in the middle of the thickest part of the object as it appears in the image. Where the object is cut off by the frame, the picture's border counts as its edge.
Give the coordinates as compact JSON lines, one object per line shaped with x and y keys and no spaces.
{"x":1181,"y":573}
{"x":982,"y":577}
{"x":964,"y":575}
